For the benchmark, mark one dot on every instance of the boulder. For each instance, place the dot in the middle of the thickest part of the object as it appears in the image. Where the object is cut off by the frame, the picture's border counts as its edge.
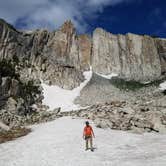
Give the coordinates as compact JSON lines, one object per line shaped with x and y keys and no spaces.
{"x":3,"y":127}
{"x":11,"y":105}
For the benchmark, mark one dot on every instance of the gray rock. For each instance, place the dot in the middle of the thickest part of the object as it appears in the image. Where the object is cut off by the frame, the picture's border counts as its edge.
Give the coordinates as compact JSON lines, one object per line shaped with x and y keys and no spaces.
{"x":124,"y":118}
{"x":130,"y":56}
{"x":160,"y":102}
{"x":3,"y":127}
{"x":103,"y":123}
{"x":58,"y":57}
{"x":57,"y":110}
{"x":163,"y":111}
{"x":11,"y":105}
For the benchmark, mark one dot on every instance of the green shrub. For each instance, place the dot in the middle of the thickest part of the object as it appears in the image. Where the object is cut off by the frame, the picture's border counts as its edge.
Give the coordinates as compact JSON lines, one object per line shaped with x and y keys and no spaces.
{"x":15,"y":60}
{"x":164,"y":92}
{"x":7,"y":69}
{"x":28,"y":90}
{"x":132,"y":85}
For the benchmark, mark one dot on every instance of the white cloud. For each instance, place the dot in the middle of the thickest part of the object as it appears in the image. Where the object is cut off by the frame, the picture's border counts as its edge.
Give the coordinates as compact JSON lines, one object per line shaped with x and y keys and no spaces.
{"x":12,"y":10}
{"x":52,"y":13}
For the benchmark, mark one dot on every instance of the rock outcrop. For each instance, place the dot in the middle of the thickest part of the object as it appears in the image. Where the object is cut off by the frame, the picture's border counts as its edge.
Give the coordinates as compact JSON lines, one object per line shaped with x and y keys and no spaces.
{"x":132,"y":57}
{"x":58,"y":57}
{"x":17,"y":97}
{"x":3,"y":127}
{"x":161,"y":46}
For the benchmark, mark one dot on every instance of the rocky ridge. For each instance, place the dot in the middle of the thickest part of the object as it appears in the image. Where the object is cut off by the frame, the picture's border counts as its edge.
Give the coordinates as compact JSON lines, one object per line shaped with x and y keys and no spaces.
{"x":60,"y":56}
{"x":57,"y":57}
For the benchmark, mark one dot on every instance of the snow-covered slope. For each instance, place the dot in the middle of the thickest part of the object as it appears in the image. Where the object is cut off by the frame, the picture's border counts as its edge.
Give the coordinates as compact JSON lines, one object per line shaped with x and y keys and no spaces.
{"x":60,"y":143}
{"x":55,"y":96}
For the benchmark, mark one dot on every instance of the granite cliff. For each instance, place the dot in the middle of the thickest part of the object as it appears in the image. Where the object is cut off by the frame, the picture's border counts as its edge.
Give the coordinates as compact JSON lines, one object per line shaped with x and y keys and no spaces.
{"x":57,"y":57}
{"x":60,"y":56}
{"x":132,"y":57}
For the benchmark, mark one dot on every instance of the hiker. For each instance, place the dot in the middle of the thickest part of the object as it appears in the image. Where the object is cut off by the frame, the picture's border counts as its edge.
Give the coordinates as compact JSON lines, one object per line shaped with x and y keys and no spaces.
{"x":87,"y":135}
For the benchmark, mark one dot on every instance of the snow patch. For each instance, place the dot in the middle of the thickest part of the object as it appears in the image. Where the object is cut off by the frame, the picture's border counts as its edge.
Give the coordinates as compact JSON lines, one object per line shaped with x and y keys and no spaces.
{"x":109,"y":76}
{"x":55,"y":97}
{"x":147,"y":82}
{"x":162,"y":86}
{"x":60,"y":143}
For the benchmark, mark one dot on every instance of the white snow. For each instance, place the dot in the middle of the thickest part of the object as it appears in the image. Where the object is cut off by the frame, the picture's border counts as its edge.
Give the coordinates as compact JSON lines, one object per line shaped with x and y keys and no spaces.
{"x":163,"y":86}
{"x":109,"y":76}
{"x":60,"y":143}
{"x":146,"y":82}
{"x":55,"y":96}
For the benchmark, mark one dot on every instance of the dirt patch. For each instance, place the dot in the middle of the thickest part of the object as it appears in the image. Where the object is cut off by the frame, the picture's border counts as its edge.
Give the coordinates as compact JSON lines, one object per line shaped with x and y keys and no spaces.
{"x":13,"y":134}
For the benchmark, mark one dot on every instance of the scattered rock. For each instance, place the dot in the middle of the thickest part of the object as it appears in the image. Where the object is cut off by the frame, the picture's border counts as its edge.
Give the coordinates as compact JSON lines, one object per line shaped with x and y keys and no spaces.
{"x":57,"y":110}
{"x":3,"y":127}
{"x":11,"y":105}
{"x":136,"y":119}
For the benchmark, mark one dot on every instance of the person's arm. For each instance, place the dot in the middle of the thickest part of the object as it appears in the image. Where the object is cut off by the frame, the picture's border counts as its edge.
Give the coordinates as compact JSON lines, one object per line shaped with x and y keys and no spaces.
{"x":93,"y":133}
{"x":83,"y":135}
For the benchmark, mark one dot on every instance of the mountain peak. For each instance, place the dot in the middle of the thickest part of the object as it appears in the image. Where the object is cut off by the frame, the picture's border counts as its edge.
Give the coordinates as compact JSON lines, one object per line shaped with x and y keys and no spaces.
{"x":68,"y":27}
{"x":4,"y":23}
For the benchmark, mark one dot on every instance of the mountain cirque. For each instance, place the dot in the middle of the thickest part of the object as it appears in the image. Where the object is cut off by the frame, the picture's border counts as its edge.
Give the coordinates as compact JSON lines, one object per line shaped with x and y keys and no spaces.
{"x":60,"y":57}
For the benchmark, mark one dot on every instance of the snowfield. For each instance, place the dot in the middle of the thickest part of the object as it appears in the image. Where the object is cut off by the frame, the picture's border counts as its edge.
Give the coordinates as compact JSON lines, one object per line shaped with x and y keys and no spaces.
{"x":55,"y":96}
{"x":163,"y":86}
{"x":60,"y":143}
{"x":109,"y":76}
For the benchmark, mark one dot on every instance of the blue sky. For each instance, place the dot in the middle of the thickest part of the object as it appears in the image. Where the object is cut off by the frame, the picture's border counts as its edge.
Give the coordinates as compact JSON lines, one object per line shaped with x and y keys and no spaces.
{"x":141,"y":17}
{"x":116,"y":16}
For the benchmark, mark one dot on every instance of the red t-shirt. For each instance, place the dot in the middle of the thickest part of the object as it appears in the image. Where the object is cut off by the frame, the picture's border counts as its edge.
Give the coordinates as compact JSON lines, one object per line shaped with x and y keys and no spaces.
{"x":88,"y":131}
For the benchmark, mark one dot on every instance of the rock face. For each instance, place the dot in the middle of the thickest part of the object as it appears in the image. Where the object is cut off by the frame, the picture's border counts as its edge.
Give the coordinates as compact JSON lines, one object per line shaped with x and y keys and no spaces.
{"x":161,"y":46}
{"x":58,"y":57}
{"x":16,"y":97}
{"x":132,"y":57}
{"x":3,"y":127}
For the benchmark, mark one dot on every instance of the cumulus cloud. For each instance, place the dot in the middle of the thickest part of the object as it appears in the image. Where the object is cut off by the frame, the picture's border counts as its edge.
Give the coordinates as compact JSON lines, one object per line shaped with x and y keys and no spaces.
{"x":51,"y":14}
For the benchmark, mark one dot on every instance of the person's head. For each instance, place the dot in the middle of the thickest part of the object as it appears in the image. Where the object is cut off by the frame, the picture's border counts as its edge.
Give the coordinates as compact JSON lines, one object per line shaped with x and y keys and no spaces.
{"x":87,"y":123}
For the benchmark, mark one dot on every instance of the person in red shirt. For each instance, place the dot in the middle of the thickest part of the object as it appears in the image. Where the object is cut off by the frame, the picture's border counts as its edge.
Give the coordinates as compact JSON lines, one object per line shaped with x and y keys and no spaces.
{"x":87,"y":135}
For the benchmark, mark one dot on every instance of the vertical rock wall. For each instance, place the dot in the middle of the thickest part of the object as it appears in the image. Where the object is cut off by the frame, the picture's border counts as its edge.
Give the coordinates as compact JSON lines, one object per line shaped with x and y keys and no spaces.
{"x":133,"y":57}
{"x":58,"y":57}
{"x":61,"y":56}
